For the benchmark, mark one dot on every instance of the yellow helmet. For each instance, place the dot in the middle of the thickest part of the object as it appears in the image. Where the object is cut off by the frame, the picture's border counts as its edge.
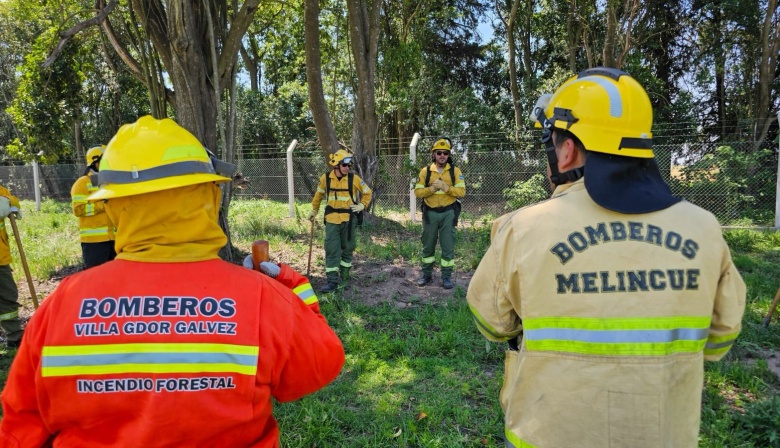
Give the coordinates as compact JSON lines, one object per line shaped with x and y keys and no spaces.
{"x":94,"y":154}
{"x":152,"y":155}
{"x":606,"y":109}
{"x":340,"y":156}
{"x":442,"y":144}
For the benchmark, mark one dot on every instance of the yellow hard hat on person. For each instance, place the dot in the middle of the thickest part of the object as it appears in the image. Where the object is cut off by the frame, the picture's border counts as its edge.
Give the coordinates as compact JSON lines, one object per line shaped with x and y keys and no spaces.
{"x":605,"y":108}
{"x":340,"y":156}
{"x":442,"y":144}
{"x":94,"y":154}
{"x":152,"y":155}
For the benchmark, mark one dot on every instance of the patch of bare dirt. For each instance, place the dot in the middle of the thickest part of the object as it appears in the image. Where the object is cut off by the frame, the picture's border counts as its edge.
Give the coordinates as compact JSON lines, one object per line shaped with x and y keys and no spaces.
{"x":773,"y":362}
{"x":394,"y":283}
{"x":42,"y":289}
{"x":371,"y":283}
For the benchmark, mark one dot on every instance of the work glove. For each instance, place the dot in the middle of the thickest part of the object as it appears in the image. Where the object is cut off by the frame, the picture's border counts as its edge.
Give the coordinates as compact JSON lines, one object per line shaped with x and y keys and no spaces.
{"x":312,"y":215}
{"x":440,"y":185}
{"x":433,"y":188}
{"x":270,"y":269}
{"x":266,"y":267}
{"x":17,"y":211}
{"x":357,"y":207}
{"x":5,"y":207}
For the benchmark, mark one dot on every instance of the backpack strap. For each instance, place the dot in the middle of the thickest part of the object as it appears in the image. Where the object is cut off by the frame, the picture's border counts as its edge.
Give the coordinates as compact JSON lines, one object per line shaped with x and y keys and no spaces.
{"x":350,"y":178}
{"x":452,"y":174}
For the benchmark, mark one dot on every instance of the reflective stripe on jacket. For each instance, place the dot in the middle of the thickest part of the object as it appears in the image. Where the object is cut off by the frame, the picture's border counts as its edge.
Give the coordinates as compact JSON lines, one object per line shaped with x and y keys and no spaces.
{"x":615,"y":315}
{"x":94,"y":225}
{"x":440,"y":198}
{"x":5,"y":248}
{"x":166,"y":354}
{"x":340,"y":199}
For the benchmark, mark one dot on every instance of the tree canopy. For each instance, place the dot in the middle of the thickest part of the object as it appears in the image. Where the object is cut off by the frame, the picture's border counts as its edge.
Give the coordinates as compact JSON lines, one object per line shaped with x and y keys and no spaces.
{"x":235,"y":74}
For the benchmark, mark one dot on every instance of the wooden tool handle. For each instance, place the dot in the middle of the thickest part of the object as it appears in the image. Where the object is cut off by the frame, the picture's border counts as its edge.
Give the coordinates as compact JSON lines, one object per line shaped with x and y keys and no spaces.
{"x":12,"y":218}
{"x":259,"y":253}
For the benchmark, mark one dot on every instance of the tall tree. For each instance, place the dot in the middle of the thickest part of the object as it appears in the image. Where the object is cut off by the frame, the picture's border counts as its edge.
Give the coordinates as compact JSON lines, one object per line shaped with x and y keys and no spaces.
{"x":510,"y":23}
{"x":319,"y":108}
{"x":769,"y":44}
{"x":364,"y":33}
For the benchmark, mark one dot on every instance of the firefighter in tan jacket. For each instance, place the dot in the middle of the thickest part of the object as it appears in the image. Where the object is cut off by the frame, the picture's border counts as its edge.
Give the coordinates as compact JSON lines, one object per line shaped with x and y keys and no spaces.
{"x":96,"y":231}
{"x":613,"y":292}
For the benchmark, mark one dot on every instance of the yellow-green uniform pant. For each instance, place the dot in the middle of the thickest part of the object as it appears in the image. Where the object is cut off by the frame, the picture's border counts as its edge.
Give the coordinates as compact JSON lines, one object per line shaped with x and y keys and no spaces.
{"x":439,"y":227}
{"x":9,"y":305}
{"x":339,"y":247}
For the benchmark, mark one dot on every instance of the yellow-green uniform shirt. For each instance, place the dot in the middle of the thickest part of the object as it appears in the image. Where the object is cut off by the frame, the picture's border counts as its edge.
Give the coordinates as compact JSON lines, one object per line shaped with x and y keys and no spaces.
{"x":5,"y":249}
{"x":440,"y":198}
{"x":340,"y":199}
{"x":94,"y":225}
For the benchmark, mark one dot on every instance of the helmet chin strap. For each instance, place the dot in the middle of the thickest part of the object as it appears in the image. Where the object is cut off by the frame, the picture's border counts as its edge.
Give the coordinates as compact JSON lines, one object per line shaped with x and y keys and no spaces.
{"x":556,"y":177}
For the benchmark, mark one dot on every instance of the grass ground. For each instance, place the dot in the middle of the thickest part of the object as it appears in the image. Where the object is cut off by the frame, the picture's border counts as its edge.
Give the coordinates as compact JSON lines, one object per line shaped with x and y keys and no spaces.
{"x":417,"y":372}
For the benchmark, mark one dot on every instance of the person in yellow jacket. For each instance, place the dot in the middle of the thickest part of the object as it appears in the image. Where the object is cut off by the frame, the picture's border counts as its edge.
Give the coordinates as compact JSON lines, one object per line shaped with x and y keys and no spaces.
{"x":9,"y":293}
{"x":440,"y":186}
{"x":95,"y":229}
{"x":346,"y":196}
{"x":613,"y":292}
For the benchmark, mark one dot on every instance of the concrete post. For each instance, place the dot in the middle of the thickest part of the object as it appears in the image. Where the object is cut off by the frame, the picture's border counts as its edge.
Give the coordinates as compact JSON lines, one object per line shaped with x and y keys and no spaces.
{"x":412,"y":198}
{"x":290,"y":182}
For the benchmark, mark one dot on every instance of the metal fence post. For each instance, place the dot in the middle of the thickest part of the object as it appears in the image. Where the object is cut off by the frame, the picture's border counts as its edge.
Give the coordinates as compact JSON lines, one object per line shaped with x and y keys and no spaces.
{"x":412,"y":199}
{"x":290,"y":183}
{"x":36,"y":185}
{"x":777,"y":188}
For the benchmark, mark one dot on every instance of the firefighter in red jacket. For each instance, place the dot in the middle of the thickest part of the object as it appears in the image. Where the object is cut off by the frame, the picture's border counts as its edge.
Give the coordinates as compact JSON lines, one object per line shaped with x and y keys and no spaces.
{"x":167,"y":345}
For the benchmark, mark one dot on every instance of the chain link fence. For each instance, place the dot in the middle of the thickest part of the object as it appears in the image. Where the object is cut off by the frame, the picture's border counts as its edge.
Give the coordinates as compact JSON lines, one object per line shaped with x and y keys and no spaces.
{"x":735,"y":181}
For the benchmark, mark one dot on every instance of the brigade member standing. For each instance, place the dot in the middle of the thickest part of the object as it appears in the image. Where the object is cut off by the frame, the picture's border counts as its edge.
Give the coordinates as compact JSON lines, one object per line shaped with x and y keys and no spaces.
{"x":167,"y":345}
{"x":9,"y":293}
{"x":95,"y":230}
{"x":613,"y":292}
{"x":346,"y":197}
{"x":440,"y":186}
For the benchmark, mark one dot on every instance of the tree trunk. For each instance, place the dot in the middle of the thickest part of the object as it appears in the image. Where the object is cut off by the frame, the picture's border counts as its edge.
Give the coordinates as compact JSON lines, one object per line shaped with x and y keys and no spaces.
{"x":319,"y":109}
{"x":610,"y":35}
{"x":364,"y":39}
{"x":196,"y":102}
{"x":572,"y":27}
{"x":509,"y":24}
{"x":767,"y":65}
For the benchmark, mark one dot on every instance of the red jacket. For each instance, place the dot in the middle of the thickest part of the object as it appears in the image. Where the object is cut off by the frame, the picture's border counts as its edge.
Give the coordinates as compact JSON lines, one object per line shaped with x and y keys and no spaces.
{"x":175,"y":354}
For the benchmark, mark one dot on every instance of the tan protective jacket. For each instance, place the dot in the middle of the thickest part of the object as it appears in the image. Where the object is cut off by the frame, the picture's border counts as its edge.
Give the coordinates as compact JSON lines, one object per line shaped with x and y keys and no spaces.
{"x":94,"y":225}
{"x":615,"y":313}
{"x":339,"y":197}
{"x":5,"y":247}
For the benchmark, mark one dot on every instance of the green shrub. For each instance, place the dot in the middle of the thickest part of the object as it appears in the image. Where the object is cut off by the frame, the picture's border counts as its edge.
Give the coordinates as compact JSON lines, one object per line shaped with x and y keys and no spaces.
{"x":525,"y":193}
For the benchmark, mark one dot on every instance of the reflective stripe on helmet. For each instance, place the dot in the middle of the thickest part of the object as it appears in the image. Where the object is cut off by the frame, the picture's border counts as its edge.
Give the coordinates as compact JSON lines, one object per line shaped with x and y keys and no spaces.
{"x":106,"y":176}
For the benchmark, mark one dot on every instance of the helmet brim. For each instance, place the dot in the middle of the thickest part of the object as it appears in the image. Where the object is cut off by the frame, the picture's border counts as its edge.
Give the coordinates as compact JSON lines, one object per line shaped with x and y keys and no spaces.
{"x":628,"y":185}
{"x":165,"y":183}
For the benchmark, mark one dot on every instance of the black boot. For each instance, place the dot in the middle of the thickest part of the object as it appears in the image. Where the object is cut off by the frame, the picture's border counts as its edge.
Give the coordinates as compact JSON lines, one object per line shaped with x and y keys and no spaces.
{"x":330,"y":286}
{"x":424,"y":280}
{"x":446,"y":283}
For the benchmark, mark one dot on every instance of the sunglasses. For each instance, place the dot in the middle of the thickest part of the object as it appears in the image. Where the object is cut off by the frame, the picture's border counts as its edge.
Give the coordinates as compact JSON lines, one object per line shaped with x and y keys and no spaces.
{"x":442,"y":153}
{"x":346,"y":164}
